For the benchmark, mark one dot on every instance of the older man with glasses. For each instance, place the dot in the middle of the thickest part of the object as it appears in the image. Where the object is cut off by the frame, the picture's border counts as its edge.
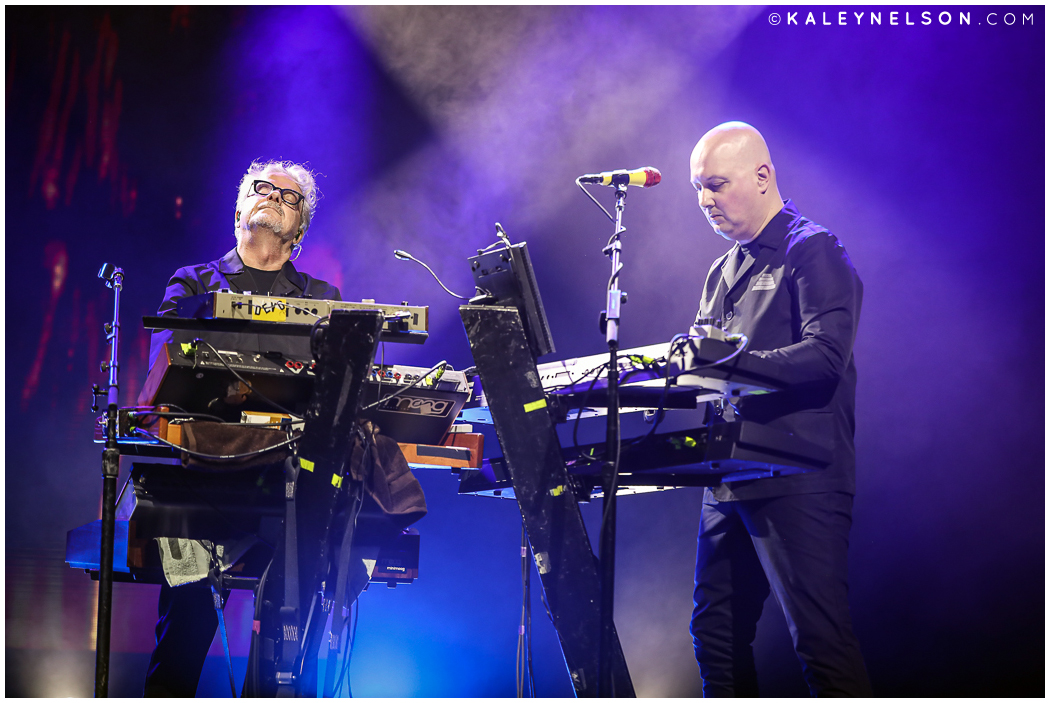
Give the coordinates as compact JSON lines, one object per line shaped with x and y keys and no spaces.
{"x":275,"y":205}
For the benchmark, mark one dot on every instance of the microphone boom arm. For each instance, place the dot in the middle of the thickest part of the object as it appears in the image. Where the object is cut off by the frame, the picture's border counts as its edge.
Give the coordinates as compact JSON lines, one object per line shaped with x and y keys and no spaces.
{"x":405,"y":256}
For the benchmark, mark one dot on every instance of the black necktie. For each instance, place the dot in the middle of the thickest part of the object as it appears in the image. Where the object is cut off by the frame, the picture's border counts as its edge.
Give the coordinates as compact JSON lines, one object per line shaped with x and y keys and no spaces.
{"x":733,"y":264}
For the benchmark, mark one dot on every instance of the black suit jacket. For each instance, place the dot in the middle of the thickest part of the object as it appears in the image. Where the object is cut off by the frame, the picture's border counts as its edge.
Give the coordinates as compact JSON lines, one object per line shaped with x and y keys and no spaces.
{"x":228,"y":272}
{"x":797,"y":298}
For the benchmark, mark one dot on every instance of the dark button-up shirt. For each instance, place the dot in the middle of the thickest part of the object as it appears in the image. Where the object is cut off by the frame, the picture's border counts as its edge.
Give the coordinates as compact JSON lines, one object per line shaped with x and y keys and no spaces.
{"x":797,"y":297}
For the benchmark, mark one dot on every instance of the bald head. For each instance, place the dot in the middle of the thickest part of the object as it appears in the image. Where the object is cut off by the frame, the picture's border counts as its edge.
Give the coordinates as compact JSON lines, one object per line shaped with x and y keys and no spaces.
{"x":737,"y":141}
{"x":735,"y":181}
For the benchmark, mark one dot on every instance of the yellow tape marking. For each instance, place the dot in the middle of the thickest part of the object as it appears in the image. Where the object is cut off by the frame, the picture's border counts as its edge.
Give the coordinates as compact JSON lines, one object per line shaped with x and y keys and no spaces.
{"x":337,"y":480}
{"x":535,"y":405}
{"x":274,"y":309}
{"x":306,"y":464}
{"x":557,"y":490}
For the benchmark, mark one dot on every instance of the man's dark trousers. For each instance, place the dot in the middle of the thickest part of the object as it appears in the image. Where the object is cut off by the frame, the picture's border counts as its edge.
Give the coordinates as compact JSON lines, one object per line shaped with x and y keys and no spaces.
{"x":185,"y":631}
{"x":796,"y":546}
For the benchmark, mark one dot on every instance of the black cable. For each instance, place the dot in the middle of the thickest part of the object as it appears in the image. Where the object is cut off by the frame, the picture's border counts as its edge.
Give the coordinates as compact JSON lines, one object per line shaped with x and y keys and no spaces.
{"x":523,"y":663}
{"x":615,"y":275}
{"x":645,"y":366}
{"x":679,"y":340}
{"x":546,"y":605}
{"x":179,"y":408}
{"x":614,"y":484}
{"x":742,"y":342}
{"x":344,"y":648}
{"x":519,"y":673}
{"x":597,"y":370}
{"x":252,"y":673}
{"x":573,"y":382}
{"x":658,"y":416}
{"x":276,"y":425}
{"x":355,"y":616}
{"x":583,"y":401}
{"x":214,"y":418}
{"x":519,"y":660}
{"x":528,"y":620}
{"x":613,"y":278}
{"x":588,"y":194}
{"x":355,"y":512}
{"x":315,"y":341}
{"x":415,"y":383}
{"x":240,"y":378}
{"x":218,"y":457}
{"x":579,"y":413}
{"x":159,"y":413}
{"x":188,"y":485}
{"x":382,"y":363}
{"x":405,"y":256}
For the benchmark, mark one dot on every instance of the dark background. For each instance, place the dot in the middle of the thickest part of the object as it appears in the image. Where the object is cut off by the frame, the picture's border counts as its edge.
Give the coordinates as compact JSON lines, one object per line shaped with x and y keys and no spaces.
{"x":922,"y":147}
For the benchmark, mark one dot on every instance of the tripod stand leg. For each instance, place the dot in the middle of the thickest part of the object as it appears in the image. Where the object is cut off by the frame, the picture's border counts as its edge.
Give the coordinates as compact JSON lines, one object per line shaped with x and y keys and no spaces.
{"x":560,"y":544}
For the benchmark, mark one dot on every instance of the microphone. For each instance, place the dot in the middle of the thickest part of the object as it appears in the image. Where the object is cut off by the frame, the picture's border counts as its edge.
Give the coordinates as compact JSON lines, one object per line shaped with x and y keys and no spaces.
{"x":644,"y":177}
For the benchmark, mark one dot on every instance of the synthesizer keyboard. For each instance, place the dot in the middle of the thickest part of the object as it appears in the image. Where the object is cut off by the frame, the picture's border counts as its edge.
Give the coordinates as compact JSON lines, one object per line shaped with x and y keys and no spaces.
{"x":205,"y":381}
{"x":304,"y":311}
{"x":703,"y":368}
{"x":706,"y":456}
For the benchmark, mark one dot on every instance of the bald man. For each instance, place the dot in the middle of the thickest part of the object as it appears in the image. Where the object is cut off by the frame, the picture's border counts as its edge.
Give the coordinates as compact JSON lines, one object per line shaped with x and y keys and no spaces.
{"x":788,"y":285}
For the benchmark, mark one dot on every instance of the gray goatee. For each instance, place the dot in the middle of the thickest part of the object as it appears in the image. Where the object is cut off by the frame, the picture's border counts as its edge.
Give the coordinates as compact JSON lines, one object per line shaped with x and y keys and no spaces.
{"x":270,"y":218}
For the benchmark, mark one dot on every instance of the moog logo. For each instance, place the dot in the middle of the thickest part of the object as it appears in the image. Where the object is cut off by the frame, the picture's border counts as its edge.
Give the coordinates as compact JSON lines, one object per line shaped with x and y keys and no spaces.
{"x":428,"y":407}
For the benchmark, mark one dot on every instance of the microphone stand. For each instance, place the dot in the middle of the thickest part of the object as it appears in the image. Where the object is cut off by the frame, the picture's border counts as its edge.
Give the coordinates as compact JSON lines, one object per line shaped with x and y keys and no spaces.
{"x":607,"y":543}
{"x":114,"y":278}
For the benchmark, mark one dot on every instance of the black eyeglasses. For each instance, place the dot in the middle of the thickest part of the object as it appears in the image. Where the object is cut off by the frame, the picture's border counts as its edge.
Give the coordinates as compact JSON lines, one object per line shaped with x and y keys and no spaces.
{"x":292,"y":197}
